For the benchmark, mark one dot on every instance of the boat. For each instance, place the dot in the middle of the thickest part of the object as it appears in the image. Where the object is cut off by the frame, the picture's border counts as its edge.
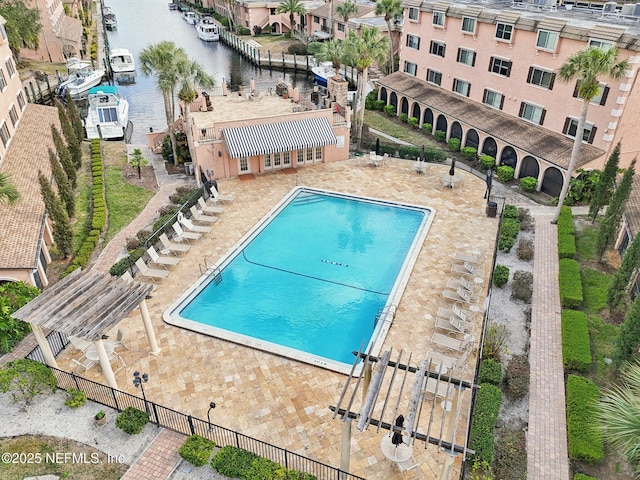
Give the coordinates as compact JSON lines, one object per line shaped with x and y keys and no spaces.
{"x":123,"y":65}
{"x":81,"y":78}
{"x":208,"y":30}
{"x":323,"y":71}
{"x":173,"y":6}
{"x":107,"y":113}
{"x":190,"y":17}
{"x":109,"y":17}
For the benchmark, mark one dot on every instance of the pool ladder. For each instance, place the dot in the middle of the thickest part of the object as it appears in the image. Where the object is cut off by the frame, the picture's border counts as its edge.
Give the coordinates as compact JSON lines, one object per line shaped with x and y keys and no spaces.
{"x":205,"y":269}
{"x":384,"y":313}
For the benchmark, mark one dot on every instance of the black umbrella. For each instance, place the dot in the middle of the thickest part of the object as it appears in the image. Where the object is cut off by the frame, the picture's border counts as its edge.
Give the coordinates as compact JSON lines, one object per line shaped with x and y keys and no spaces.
{"x":489,"y":181}
{"x":452,"y":170}
{"x":422,"y":153}
{"x":397,"y":436}
{"x":377,"y":146}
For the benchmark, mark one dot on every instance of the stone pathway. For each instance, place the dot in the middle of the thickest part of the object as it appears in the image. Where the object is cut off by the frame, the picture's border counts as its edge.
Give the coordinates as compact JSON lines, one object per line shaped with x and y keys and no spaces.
{"x":160,"y":458}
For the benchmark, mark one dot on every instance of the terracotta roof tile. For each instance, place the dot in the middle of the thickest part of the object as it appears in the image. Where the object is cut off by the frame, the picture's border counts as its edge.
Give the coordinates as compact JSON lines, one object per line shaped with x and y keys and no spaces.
{"x":323,"y":10}
{"x":632,"y":208}
{"x":21,"y":223}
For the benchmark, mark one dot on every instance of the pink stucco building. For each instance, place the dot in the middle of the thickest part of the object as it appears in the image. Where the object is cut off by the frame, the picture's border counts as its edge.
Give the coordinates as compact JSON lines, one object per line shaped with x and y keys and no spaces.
{"x":486,"y":74}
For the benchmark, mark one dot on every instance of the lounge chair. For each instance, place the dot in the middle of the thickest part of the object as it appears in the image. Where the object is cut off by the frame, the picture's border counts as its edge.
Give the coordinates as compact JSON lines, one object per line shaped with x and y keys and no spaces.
{"x":83,"y":363}
{"x":421,"y":167}
{"x":474,"y":258}
{"x":188,"y":224}
{"x":467,"y":269}
{"x":462,"y":283}
{"x":219,"y":197}
{"x":437,"y":388}
{"x":408,"y":465}
{"x":151,"y":273}
{"x":438,"y":359}
{"x":79,"y":343}
{"x":453,"y":325}
{"x":206,"y":209}
{"x":119,"y":340}
{"x":455,"y":311}
{"x":460,"y":295}
{"x":163,"y":261}
{"x":182,"y":235}
{"x":453,"y":344}
{"x":177,"y":248}
{"x":199,"y":217}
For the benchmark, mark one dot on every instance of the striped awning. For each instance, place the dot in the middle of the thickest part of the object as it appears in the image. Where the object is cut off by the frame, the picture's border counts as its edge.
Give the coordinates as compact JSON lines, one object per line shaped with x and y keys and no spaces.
{"x":278,"y":137}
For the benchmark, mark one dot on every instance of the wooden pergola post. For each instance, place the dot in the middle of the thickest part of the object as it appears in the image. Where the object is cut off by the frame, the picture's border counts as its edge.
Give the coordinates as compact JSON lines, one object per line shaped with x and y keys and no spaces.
{"x":105,"y":364}
{"x":345,"y":452}
{"x":44,"y":346}
{"x":148,"y":328}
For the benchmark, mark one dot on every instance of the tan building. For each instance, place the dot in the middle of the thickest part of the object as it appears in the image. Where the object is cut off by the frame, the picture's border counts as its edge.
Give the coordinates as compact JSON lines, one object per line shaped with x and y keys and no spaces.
{"x":486,"y":74}
{"x":317,"y":20}
{"x":25,"y":135}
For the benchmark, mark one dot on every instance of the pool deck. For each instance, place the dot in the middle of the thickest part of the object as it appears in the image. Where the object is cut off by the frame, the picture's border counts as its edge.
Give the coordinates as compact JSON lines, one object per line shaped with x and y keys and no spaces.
{"x":282,"y":401}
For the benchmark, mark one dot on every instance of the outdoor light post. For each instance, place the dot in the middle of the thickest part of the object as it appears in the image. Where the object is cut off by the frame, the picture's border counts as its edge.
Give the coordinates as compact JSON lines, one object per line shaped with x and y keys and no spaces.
{"x":212,"y":405}
{"x":139,"y":381}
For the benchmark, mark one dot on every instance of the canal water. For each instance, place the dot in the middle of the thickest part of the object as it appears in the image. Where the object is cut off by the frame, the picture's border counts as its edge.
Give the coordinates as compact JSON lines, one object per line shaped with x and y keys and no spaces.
{"x":145,"y":22}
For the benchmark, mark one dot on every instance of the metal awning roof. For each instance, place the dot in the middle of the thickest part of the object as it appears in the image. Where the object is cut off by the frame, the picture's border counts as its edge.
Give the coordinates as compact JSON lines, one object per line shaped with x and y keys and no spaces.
{"x":320,"y":35}
{"x":278,"y":137}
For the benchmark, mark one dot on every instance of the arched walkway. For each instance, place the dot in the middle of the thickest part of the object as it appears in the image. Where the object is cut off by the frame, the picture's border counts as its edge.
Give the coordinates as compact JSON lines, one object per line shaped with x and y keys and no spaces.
{"x":275,"y":27}
{"x":472,"y":139}
{"x":456,"y":131}
{"x":529,"y":168}
{"x":415,"y":111}
{"x":393,"y":100}
{"x":509,"y":157}
{"x":442,"y":123}
{"x":404,"y":106}
{"x":383,"y":95}
{"x":552,"y":182}
{"x":428,"y":116}
{"x":489,"y":147}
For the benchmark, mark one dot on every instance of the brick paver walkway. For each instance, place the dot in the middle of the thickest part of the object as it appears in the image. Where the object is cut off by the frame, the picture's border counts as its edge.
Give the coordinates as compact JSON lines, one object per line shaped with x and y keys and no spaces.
{"x":547,"y":457}
{"x":160,"y":458}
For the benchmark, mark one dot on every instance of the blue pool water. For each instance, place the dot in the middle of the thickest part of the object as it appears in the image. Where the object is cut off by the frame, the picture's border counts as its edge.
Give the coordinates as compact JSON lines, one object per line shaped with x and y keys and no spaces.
{"x":312,"y":277}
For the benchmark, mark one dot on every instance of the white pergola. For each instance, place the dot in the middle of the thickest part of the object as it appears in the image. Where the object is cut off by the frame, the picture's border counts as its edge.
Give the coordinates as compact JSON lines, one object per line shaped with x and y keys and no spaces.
{"x":87,"y":305}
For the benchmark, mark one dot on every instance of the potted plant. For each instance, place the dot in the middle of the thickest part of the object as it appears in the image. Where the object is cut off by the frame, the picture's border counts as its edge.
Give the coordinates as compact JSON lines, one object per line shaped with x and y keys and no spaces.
{"x":101,"y":417}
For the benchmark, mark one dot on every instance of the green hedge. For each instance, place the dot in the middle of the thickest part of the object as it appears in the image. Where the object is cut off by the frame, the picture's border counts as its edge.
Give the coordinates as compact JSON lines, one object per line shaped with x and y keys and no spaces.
{"x":565,"y":221}
{"x":508,"y":233}
{"x":510,"y":211}
{"x":570,"y":283}
{"x":490,"y":372}
{"x":238,"y":463}
{"x":576,"y":346}
{"x":197,"y":450}
{"x":582,"y":476}
{"x":585,"y":442}
{"x":566,"y":245}
{"x":488,"y":401}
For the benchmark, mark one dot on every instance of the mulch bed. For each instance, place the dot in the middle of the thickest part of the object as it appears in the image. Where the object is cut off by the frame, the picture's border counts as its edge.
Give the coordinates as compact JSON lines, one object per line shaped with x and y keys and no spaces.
{"x":148,"y":180}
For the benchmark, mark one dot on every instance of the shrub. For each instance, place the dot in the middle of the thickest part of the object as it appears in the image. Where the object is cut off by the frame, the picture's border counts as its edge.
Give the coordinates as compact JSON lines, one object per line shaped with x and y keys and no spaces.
{"x":528,"y":184}
{"x":488,"y":401}
{"x":511,"y":455}
{"x":315,"y":47}
{"x":566,"y":245}
{"x":427,"y":128}
{"x":25,"y":379}
{"x":570,"y":283}
{"x":121,"y":266}
{"x":505,"y":173}
{"x":516,"y":377}
{"x":525,"y":249}
{"x":440,"y":136}
{"x":526,"y":220}
{"x":454,"y":144}
{"x":390,"y":110}
{"x":75,"y":398}
{"x":510,"y":212}
{"x":487,"y":162}
{"x":522,"y":286}
{"x":243,"y":30}
{"x":379,"y":105}
{"x":404,"y":118}
{"x":582,"y":476}
{"x":500,"y":275}
{"x":585,"y":441}
{"x":197,"y":450}
{"x":495,"y":342}
{"x":238,"y":463}
{"x":413,"y":122}
{"x":565,"y":221}
{"x":490,"y":372}
{"x":576,"y":346}
{"x":469,"y":153}
{"x":132,"y":420}
{"x":508,"y":233}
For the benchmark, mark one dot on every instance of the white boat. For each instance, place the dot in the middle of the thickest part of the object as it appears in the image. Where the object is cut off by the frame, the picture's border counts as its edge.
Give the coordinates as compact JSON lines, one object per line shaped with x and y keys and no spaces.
{"x":122,"y":61}
{"x":208,"y":30}
{"x":110,"y":22}
{"x":107,"y":113}
{"x":81,"y":78}
{"x":323,"y":71}
{"x":190,"y":17}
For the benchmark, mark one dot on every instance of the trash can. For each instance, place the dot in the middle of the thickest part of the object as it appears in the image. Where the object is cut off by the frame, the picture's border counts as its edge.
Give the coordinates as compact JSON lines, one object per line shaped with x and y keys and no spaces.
{"x":188,"y":168}
{"x":492,"y":209}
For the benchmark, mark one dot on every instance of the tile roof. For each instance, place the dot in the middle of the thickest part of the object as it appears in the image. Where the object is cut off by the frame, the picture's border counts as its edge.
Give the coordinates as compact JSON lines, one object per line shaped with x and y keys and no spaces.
{"x":323,"y":11}
{"x":632,"y":208}
{"x":21,"y":223}
{"x":533,"y":139}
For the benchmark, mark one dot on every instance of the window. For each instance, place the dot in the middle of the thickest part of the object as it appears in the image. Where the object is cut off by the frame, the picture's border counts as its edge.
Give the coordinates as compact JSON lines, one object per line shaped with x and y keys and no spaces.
{"x":469,"y":24}
{"x":500,"y":66}
{"x":571,"y":127}
{"x":600,"y":98}
{"x":413,"y":41}
{"x":461,"y":86}
{"x":21,"y":101}
{"x":10,"y":68}
{"x":272,"y":11}
{"x":319,"y":153}
{"x":108,"y":114}
{"x":340,"y":27}
{"x":4,"y":134}
{"x":410,"y":68}
{"x":532,"y":113}
{"x":468,"y":57}
{"x":13,"y":115}
{"x":3,"y":80}
{"x":414,"y":13}
{"x":316,"y":19}
{"x":438,"y":19}
{"x":603,"y":44}
{"x":309,"y":154}
{"x":3,"y":32}
{"x":547,"y":40}
{"x":493,"y":99}
{"x":286,"y":158}
{"x":434,"y":77}
{"x":541,"y":78}
{"x":504,"y":31}
{"x":437,"y":48}
{"x":243,"y":164}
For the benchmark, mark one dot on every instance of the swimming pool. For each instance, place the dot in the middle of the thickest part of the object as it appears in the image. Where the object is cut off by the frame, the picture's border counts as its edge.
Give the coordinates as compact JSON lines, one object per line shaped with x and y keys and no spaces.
{"x":318,"y":277}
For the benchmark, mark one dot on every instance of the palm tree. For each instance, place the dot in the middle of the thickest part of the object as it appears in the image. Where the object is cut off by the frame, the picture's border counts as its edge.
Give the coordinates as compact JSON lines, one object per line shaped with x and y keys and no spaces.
{"x":191,"y":76}
{"x":161,"y":60}
{"x":346,"y":10}
{"x":332,"y":51}
{"x":291,"y":7}
{"x":586,"y":66}
{"x":390,"y":9}
{"x":620,"y":415}
{"x":361,"y":51}
{"x":8,"y":191}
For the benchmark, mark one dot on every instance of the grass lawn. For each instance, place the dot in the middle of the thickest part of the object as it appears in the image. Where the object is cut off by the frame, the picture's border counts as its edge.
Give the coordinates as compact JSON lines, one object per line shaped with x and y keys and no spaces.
{"x":382,"y":122}
{"x":586,"y":243}
{"x":83,"y":196}
{"x":603,"y":335}
{"x":595,"y":285}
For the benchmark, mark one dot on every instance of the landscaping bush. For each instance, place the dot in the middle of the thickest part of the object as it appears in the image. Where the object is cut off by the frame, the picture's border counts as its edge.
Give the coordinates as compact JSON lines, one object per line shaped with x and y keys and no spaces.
{"x":404,"y":118}
{"x":121,"y":266}
{"x":132,"y":420}
{"x":565,"y":221}
{"x":427,"y":128}
{"x":196,"y":450}
{"x":526,"y":220}
{"x":235,"y":462}
{"x":315,"y":47}
{"x":490,"y":372}
{"x":508,"y":233}
{"x":440,"y":136}
{"x":469,"y":153}
{"x":75,"y":398}
{"x":522,"y":286}
{"x":576,"y":345}
{"x":516,"y":377}
{"x":370,"y":99}
{"x":525,"y":249}
{"x":379,"y":105}
{"x":243,"y":30}
{"x":487,"y":162}
{"x":584,"y":439}
{"x":505,"y":173}
{"x":582,"y":476}
{"x":495,"y":342}
{"x":528,"y":184}
{"x":510,"y":212}
{"x":413,"y":122}
{"x":390,"y":110}
{"x":511,"y":455}
{"x":488,"y":401}
{"x":566,"y":245}
{"x":25,"y":379}
{"x":570,"y":283}
{"x":454,"y":144}
{"x":500,"y":275}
